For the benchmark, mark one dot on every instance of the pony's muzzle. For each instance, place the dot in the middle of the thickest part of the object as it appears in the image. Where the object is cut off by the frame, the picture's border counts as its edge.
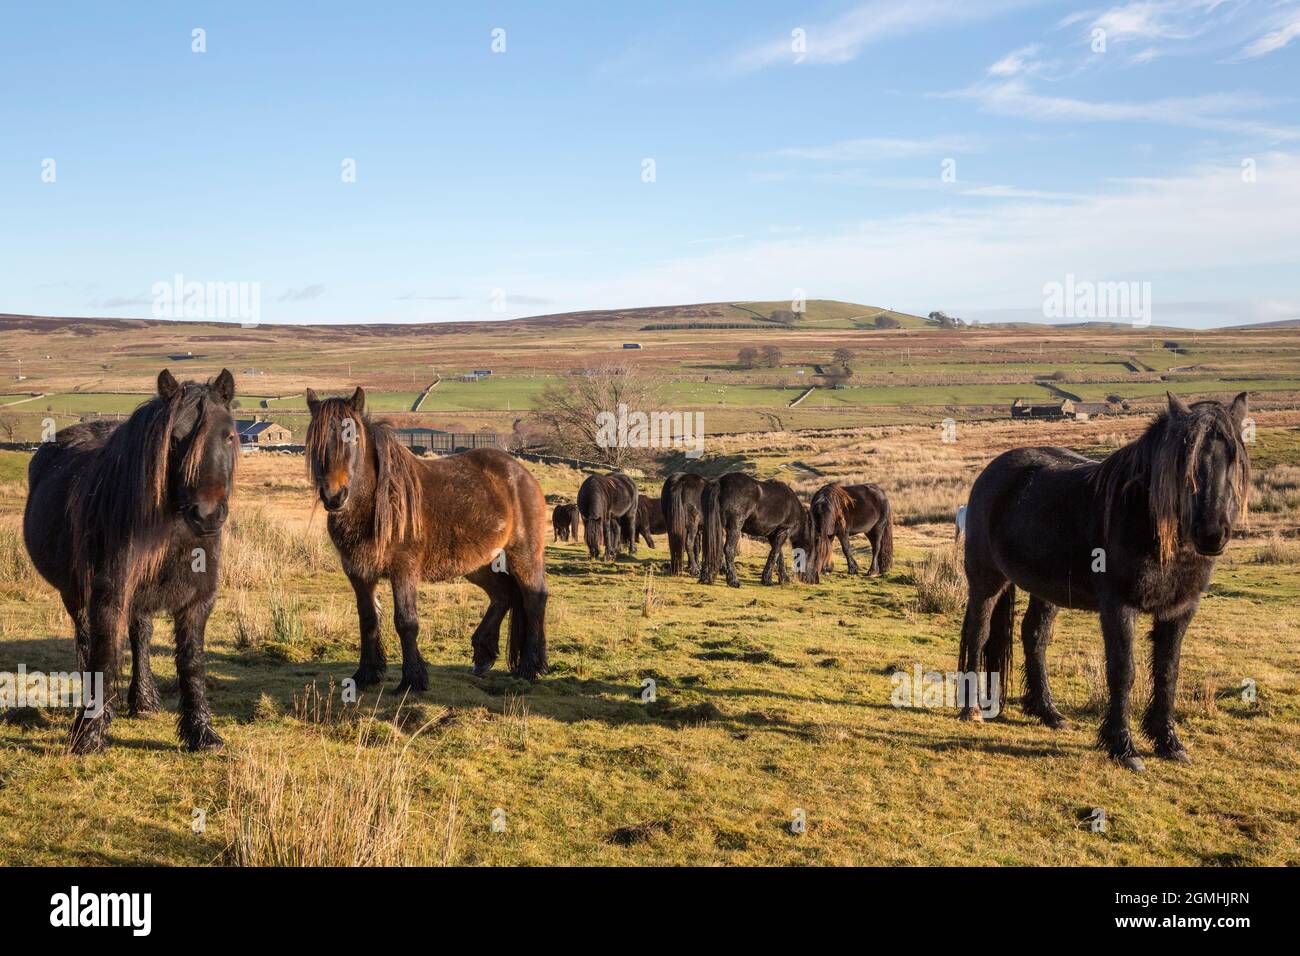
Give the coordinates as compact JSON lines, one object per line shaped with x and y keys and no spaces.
{"x":334,"y":500}
{"x":206,"y":520}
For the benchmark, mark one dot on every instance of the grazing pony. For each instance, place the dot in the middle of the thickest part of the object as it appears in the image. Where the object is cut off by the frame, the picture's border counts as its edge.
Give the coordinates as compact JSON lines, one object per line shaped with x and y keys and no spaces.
{"x":649,"y":520}
{"x":1138,"y":532}
{"x":682,"y":504}
{"x":125,"y":520}
{"x":840,"y":511}
{"x":479,"y":515}
{"x":769,"y":509}
{"x":565,"y":520}
{"x":603,"y":500}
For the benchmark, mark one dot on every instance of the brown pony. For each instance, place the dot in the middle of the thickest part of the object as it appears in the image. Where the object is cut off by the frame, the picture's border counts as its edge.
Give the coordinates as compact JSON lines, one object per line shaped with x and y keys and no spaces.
{"x":565,"y":521}
{"x":841,"y":511}
{"x":479,"y":515}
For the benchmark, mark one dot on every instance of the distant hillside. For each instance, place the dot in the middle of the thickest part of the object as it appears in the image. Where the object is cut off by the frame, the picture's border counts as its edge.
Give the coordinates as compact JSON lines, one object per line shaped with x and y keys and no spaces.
{"x":818,"y":314}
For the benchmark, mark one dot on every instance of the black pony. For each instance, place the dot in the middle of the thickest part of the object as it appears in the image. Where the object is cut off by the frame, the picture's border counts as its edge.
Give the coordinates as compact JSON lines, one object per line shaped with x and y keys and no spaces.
{"x":682,"y":503}
{"x":564,"y":519}
{"x":649,"y":521}
{"x":603,"y":500}
{"x":1138,"y":532}
{"x":840,"y":511}
{"x":762,"y":509}
{"x":125,"y":520}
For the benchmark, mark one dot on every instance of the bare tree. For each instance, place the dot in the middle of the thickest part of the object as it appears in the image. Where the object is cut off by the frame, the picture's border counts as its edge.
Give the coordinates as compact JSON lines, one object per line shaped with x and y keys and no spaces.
{"x":842,"y":356}
{"x":771,"y":356}
{"x":747,"y":357}
{"x":575,"y":414}
{"x":7,"y":423}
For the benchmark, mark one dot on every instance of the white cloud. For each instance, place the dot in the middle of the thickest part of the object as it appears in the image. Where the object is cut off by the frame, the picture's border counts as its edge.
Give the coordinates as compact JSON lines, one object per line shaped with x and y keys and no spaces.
{"x":857,"y":150}
{"x":1203,"y":226}
{"x":1274,"y":40}
{"x":844,"y":38}
{"x":1017,"y":61}
{"x":1212,"y":111}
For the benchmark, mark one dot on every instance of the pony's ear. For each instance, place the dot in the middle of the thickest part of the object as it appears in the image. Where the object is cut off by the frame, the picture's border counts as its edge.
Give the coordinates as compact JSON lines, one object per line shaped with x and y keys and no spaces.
{"x":358,"y":400}
{"x":224,"y":387}
{"x":313,"y":402}
{"x":1176,"y":405}
{"x":1238,"y":409}
{"x":167,"y":385}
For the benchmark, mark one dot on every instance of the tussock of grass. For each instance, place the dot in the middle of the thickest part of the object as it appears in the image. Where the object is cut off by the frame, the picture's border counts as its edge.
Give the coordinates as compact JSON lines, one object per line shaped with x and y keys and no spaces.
{"x":1277,"y":550}
{"x":940,"y":582}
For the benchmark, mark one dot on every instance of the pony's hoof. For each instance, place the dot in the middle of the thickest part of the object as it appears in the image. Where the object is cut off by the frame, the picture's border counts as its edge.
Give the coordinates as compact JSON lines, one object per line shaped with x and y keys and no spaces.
{"x":1132,"y":762}
{"x":204,"y":738}
{"x":86,"y":741}
{"x":733,"y":584}
{"x":972,"y":714}
{"x":482,"y":670}
{"x":143,"y":706}
{"x":1055,"y":721}
{"x":1177,"y":756}
{"x":368,"y":677}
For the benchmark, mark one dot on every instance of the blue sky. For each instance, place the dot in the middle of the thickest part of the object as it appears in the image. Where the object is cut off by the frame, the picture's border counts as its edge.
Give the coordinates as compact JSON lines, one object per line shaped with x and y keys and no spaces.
{"x":496,"y":184}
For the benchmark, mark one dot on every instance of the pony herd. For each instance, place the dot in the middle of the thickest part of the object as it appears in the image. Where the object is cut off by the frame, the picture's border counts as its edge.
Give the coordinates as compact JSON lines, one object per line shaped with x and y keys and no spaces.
{"x":706,"y":518}
{"x":126,"y":521}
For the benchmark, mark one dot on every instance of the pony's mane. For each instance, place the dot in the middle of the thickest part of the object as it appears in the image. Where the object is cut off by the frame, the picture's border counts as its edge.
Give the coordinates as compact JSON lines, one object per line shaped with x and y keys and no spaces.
{"x":1162,"y":461}
{"x":398,"y":499}
{"x":119,"y":508}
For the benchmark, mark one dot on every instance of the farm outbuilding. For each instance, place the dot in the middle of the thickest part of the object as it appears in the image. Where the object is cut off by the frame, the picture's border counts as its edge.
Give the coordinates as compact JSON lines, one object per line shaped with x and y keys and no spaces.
{"x":1065,"y":408}
{"x":259,"y":431}
{"x":442,"y":442}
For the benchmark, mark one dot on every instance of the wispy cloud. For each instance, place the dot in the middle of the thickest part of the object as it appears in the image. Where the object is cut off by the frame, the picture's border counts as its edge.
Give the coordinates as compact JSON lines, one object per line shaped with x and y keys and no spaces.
{"x":1285,"y":31}
{"x":869,"y":148}
{"x":1220,"y":112}
{"x":844,"y":38}
{"x":305,"y":294}
{"x":1017,"y":61}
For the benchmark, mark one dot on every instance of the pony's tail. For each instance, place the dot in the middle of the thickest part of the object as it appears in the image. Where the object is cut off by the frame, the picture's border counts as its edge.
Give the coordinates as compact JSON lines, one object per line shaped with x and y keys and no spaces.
{"x":885,"y":560}
{"x":823,"y":527}
{"x":518,"y":626}
{"x":675,"y":511}
{"x":712,"y":522}
{"x":591,"y":534}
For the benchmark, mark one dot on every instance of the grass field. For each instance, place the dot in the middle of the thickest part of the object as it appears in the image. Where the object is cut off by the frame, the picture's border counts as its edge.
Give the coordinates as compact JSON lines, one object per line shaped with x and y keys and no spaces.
{"x":768,"y":701}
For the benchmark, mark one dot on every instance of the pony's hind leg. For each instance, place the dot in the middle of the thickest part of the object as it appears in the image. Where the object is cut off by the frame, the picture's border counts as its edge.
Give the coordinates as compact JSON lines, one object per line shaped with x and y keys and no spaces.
{"x":729,"y":555}
{"x":1158,"y":721}
{"x":975,"y":629}
{"x":371,"y":669}
{"x":406,"y":621}
{"x":486,"y":639}
{"x":142,"y":696}
{"x":527,"y":649}
{"x":874,"y":535}
{"x":1036,"y":634}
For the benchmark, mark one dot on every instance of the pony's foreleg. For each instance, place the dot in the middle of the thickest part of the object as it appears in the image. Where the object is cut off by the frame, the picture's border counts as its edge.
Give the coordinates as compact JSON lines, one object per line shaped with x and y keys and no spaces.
{"x":1117,"y":632}
{"x":406,"y":621}
{"x":1035,"y":635}
{"x":847,"y":548}
{"x":632,"y":530}
{"x":1158,"y":721}
{"x":775,"y":559}
{"x":103,"y":661}
{"x":694,"y":535}
{"x":142,"y":695}
{"x":528,"y":642}
{"x":373,"y":663}
{"x":194,"y":725}
{"x":486,"y":639}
